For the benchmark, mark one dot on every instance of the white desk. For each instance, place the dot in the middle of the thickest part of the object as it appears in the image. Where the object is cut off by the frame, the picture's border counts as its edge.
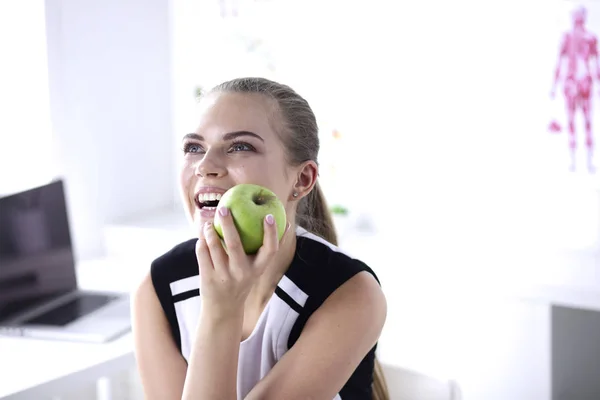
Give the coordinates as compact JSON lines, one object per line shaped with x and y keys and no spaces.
{"x":39,"y":369}
{"x":34,"y":369}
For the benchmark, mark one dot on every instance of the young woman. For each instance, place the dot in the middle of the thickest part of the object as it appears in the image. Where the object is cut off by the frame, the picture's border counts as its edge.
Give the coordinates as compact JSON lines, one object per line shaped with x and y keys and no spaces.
{"x":298,"y":320}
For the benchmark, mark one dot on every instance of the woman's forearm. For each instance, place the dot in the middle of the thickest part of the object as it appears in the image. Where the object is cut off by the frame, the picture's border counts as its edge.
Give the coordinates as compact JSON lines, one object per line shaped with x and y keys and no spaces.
{"x":212,"y":369}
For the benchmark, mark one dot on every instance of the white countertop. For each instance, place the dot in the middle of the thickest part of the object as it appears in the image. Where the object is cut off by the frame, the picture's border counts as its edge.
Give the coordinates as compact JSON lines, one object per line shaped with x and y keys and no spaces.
{"x":42,"y":367}
{"x":32,"y":368}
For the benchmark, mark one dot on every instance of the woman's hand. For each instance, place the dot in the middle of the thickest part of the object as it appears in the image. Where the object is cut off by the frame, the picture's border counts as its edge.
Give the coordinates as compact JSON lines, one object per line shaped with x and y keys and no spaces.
{"x":228,"y":276}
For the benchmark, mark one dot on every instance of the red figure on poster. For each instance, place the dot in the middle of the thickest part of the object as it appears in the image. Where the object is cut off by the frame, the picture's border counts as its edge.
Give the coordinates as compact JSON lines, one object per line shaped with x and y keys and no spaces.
{"x":579,"y":48}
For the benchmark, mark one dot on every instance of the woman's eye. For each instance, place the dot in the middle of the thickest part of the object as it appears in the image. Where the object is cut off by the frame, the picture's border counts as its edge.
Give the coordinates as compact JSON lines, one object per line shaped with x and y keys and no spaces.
{"x":241,"y":147}
{"x":192,"y":148}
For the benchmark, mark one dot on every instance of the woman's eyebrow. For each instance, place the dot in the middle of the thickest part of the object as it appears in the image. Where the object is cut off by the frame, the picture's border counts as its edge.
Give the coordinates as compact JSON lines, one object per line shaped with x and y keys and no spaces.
{"x":227,"y":136}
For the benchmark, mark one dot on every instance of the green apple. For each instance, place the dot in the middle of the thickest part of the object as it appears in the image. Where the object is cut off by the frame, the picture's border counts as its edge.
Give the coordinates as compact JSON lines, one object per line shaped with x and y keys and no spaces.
{"x":249,"y":204}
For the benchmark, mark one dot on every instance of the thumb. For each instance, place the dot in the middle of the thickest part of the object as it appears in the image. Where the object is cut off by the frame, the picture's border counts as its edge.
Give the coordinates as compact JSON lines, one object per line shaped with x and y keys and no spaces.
{"x":269,"y":249}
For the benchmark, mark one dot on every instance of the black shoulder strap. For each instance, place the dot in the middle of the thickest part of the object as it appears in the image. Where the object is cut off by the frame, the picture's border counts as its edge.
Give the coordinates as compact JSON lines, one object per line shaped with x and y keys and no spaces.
{"x":319,"y":270}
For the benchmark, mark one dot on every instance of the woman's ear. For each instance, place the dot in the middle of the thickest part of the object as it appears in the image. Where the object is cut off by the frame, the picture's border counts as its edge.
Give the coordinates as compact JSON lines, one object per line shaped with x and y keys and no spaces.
{"x":306,"y":178}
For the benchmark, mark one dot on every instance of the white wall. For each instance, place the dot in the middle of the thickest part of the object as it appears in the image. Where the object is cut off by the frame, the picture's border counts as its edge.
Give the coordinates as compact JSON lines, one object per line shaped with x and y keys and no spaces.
{"x":26,"y":159}
{"x":446,"y":105}
{"x":110,"y":90}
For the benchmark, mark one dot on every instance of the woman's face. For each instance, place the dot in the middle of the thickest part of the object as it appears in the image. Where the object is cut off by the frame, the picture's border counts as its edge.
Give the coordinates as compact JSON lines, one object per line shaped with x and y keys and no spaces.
{"x":234,"y":143}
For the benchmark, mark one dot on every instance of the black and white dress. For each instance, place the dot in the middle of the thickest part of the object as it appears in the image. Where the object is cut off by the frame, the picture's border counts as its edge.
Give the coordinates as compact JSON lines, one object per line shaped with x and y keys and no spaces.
{"x":318,"y":268}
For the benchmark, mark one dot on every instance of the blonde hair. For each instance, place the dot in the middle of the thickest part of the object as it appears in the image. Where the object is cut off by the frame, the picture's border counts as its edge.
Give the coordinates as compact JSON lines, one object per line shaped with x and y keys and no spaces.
{"x":301,"y":141}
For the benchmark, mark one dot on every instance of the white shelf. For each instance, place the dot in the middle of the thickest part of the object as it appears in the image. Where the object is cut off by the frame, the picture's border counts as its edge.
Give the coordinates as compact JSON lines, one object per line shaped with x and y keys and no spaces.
{"x":156,"y":233}
{"x":170,"y":227}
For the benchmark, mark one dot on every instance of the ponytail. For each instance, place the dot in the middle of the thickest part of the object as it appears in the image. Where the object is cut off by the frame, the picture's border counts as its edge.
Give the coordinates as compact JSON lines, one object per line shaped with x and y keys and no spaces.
{"x":379,"y":386}
{"x":313,"y":215}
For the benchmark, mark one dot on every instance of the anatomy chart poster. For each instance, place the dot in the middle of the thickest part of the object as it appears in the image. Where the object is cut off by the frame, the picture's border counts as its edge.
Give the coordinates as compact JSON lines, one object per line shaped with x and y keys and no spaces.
{"x":564,"y":73}
{"x":572,"y":127}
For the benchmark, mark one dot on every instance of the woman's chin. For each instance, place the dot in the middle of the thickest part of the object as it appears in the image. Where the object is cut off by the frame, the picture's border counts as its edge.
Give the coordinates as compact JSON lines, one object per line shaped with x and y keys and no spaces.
{"x":201,"y":216}
{"x":206,"y":214}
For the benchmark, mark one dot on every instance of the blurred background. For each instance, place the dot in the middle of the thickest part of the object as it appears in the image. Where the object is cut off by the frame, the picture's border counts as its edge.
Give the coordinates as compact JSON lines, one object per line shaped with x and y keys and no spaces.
{"x":444,"y":156}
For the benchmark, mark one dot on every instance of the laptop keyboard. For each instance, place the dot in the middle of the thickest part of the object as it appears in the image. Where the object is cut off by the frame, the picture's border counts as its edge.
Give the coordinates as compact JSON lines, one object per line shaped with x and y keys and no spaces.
{"x":74,"y":309}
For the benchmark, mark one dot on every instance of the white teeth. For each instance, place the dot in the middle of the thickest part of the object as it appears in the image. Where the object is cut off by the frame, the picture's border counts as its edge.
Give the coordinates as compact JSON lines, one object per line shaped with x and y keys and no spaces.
{"x":209,"y":196}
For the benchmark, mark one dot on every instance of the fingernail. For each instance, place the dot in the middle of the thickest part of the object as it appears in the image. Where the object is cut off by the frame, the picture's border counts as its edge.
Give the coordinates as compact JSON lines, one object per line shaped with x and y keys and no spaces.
{"x":207,"y":224}
{"x":223,"y":211}
{"x":270,"y":220}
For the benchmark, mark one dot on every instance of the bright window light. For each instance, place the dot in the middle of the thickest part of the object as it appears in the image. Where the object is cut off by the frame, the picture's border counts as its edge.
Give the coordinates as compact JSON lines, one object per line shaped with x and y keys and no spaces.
{"x":26,"y":152}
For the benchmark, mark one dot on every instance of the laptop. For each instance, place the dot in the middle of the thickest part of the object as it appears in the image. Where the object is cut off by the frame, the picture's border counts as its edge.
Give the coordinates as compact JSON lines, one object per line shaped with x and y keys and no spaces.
{"x":39,"y":296}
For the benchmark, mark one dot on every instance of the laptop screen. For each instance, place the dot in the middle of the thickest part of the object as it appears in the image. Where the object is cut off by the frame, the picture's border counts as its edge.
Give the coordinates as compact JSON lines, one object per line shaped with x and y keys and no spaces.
{"x":36,"y":254}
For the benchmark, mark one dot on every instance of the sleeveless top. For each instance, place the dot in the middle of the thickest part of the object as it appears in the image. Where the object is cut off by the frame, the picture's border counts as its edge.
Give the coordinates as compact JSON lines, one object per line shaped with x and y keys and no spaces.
{"x":317,"y":270}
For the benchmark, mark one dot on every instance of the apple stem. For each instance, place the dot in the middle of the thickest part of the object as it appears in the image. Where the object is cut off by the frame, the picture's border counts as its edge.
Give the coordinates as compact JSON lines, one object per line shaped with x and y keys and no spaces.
{"x":260,"y":200}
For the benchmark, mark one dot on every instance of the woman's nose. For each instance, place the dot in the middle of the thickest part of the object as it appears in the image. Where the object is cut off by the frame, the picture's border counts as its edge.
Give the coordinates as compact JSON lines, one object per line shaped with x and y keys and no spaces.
{"x":210,"y":166}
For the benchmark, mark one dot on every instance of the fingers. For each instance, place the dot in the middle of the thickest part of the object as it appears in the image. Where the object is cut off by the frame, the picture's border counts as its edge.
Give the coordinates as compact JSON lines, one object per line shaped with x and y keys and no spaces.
{"x":270,"y":238}
{"x":216,"y":252}
{"x":234,"y":261}
{"x":205,"y":264}
{"x":271,"y":242}
{"x":235,"y":249}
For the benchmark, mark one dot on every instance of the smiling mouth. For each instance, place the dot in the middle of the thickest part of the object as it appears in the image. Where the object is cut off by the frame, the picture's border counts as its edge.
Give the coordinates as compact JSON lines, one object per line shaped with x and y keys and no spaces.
{"x":208,"y":201}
